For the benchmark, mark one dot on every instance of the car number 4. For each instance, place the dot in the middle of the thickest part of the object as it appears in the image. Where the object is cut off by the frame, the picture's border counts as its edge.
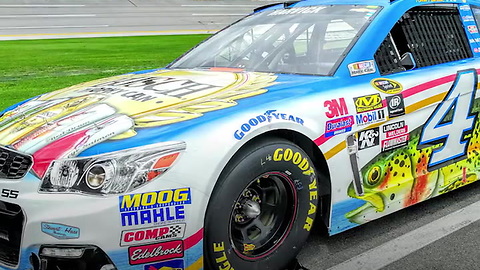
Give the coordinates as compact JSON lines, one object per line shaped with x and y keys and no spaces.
{"x":451,"y":123}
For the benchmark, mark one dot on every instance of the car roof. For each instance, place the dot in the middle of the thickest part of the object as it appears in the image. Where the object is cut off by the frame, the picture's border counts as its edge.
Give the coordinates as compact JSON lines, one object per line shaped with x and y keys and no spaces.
{"x":385,"y":3}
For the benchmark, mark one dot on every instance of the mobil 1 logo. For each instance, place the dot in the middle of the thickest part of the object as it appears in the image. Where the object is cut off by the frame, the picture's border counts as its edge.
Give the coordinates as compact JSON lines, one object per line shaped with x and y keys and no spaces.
{"x":368,"y":138}
{"x":395,"y":105}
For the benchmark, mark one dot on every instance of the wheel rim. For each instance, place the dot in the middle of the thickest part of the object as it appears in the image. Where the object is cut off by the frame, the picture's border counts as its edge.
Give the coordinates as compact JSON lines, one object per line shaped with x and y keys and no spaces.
{"x":263,"y":215}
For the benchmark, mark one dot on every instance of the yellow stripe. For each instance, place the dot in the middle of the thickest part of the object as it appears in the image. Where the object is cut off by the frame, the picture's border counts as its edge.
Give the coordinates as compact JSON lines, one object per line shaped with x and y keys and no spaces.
{"x":409,"y":109}
{"x":196,"y":265}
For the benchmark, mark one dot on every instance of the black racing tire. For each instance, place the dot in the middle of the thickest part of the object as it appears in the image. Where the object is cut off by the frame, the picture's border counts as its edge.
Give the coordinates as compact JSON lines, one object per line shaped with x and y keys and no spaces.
{"x":262,"y":208}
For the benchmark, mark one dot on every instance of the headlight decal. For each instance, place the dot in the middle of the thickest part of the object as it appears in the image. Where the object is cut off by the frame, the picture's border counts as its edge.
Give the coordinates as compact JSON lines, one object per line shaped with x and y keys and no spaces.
{"x":111,"y":173}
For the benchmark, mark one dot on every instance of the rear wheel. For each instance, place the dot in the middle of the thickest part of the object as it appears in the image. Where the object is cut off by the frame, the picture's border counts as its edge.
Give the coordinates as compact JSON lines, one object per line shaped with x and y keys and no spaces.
{"x":262,"y":208}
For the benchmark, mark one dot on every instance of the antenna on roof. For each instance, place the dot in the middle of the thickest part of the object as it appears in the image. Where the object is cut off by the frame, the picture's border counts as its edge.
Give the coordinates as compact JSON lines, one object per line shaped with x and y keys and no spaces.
{"x":287,"y":4}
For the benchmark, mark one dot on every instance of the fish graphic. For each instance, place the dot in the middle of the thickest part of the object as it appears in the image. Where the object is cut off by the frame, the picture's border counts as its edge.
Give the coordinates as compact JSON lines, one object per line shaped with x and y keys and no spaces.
{"x":399,"y":178}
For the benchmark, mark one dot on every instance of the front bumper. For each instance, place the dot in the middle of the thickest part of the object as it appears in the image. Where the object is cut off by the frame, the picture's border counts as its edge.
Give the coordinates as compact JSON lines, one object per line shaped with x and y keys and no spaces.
{"x":51,"y":220}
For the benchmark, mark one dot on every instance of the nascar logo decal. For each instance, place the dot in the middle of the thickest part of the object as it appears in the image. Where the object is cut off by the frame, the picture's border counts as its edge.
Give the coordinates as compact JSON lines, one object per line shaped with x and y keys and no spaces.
{"x":387,"y":86}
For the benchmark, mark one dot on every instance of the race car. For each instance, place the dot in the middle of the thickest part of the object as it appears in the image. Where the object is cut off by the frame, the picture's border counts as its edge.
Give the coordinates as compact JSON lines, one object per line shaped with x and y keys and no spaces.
{"x":301,"y":114}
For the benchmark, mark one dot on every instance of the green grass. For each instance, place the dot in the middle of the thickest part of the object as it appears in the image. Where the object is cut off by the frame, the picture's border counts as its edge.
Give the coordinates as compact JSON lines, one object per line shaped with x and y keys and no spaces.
{"x":32,"y":67}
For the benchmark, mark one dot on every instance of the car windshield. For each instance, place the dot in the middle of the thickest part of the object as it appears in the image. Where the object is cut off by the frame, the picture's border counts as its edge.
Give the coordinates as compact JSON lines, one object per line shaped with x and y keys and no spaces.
{"x":303,"y":40}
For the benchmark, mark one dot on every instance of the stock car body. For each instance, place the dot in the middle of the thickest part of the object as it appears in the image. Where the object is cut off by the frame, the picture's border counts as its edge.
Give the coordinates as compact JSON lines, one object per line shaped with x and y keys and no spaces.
{"x":334,"y":112}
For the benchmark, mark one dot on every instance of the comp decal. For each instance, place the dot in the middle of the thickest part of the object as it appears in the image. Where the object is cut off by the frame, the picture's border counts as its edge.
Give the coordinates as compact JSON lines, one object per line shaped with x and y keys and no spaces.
{"x":155,"y":252}
{"x":154,"y":208}
{"x":152,"y":234}
{"x":267,"y":117}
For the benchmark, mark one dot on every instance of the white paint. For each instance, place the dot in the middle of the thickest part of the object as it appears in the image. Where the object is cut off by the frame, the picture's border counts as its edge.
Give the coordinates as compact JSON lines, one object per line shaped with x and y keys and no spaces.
{"x":408,"y":243}
{"x":48,"y":16}
{"x":53,"y":26}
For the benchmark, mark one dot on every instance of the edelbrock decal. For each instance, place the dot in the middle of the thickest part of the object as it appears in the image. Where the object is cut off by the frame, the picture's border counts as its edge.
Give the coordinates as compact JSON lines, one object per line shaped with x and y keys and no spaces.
{"x":155,"y":252}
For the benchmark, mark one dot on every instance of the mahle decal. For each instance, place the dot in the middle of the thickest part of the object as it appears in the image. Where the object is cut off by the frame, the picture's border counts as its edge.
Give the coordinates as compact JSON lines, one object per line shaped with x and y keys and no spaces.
{"x":387,"y":86}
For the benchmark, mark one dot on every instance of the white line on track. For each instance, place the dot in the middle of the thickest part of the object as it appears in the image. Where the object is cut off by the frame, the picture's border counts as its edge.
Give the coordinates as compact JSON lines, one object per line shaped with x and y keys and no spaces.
{"x":26,"y":5}
{"x":52,"y":26}
{"x":48,"y":16}
{"x":402,"y":246}
{"x":219,"y":5}
{"x":218,"y":14}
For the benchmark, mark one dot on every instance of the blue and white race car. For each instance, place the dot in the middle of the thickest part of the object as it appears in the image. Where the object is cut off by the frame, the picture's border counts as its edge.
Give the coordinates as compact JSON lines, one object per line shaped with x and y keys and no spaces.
{"x":301,"y":114}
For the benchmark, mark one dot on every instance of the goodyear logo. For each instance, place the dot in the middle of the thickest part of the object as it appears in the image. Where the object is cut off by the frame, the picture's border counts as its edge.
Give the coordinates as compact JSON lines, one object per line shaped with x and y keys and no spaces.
{"x":387,"y":86}
{"x":368,"y":103}
{"x":155,"y":199}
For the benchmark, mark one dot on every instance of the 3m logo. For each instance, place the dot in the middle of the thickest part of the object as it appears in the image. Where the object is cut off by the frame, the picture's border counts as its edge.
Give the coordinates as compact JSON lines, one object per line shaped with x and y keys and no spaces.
{"x":336,"y":107}
{"x":368,"y":103}
{"x":368,"y":138}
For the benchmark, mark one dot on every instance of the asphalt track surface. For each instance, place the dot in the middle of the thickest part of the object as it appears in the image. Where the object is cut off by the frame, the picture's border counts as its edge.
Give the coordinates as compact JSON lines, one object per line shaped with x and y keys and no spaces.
{"x":442,"y":233}
{"x":34,"y":19}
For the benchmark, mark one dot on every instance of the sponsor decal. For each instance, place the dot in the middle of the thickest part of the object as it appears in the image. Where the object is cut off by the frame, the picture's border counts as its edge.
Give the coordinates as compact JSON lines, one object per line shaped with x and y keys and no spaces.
{"x":387,"y":86}
{"x":368,"y":138}
{"x":368,"y":103}
{"x":268,"y":116}
{"x":370,"y":117}
{"x":362,"y":68}
{"x":477,"y":50}
{"x":296,"y":158}
{"x":395,"y":105}
{"x":472,"y":29}
{"x":465,"y":7}
{"x":468,"y":18}
{"x":155,"y":252}
{"x":300,"y":10}
{"x":154,"y":208}
{"x":336,"y":107}
{"x":176,"y":264}
{"x":221,"y":257}
{"x":338,"y":126}
{"x":9,"y":193}
{"x":248,"y":247}
{"x":60,"y":231}
{"x":474,"y":40}
{"x":395,"y":129}
{"x":153,"y":234}
{"x":395,"y":142}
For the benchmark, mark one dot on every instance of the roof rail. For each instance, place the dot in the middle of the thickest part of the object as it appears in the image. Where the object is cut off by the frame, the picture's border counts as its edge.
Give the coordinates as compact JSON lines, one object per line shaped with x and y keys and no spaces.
{"x":287,"y":4}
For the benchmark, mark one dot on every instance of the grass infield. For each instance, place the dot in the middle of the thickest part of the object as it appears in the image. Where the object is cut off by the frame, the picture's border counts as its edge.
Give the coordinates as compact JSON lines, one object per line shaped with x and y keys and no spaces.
{"x":32,"y":67}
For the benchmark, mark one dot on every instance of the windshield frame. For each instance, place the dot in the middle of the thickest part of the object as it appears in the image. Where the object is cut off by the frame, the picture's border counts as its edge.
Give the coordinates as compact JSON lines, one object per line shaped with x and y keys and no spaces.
{"x":334,"y":68}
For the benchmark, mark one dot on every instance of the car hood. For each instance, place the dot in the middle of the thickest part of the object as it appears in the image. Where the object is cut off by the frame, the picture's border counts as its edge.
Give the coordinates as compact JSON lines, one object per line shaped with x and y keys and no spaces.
{"x":65,"y":123}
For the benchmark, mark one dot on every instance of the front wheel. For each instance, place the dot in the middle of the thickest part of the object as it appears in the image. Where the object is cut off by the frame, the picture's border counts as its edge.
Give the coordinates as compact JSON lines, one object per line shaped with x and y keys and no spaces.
{"x":262,"y":208}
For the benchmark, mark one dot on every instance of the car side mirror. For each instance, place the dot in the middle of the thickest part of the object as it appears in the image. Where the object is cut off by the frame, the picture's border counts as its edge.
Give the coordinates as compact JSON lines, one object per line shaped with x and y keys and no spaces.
{"x":407,"y":61}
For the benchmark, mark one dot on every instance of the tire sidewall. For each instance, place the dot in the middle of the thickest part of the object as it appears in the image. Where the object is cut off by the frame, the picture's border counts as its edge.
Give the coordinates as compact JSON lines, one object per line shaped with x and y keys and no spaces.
{"x":275,"y":156}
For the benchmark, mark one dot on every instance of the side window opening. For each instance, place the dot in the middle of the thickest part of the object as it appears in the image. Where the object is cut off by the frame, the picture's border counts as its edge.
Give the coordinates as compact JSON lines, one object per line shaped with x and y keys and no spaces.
{"x":432,"y":34}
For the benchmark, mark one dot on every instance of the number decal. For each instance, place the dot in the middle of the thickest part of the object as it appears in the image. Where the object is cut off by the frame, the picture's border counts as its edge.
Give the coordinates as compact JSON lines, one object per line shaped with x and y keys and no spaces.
{"x":452,"y":121}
